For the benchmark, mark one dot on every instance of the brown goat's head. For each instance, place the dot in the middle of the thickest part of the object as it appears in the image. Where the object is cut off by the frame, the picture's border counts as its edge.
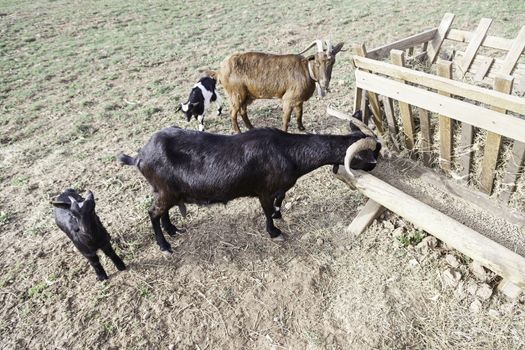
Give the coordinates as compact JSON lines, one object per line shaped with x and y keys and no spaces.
{"x":320,"y":64}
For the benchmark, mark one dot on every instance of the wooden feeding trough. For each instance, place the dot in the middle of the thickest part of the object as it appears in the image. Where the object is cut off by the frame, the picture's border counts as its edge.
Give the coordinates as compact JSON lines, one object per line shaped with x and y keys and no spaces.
{"x":432,"y":96}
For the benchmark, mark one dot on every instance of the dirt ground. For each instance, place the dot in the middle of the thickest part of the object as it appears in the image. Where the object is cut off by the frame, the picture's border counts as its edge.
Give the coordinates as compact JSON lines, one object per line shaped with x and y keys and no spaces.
{"x":80,"y":83}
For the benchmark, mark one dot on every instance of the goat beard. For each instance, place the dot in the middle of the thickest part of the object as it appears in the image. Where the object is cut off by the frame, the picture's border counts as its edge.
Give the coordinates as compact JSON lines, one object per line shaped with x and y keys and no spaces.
{"x":320,"y":90}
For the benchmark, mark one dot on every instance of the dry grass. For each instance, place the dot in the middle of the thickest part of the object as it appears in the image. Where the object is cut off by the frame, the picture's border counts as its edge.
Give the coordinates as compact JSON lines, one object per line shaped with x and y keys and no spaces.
{"x":78,"y":84}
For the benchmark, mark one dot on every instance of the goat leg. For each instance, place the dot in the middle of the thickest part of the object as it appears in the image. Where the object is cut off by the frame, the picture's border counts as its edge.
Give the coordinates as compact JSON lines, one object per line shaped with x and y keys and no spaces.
{"x":244,"y":116}
{"x":287,"y":112}
{"x":267,"y":205}
{"x":168,"y":226}
{"x":298,"y":110}
{"x":117,"y":261}
{"x":159,"y":236}
{"x":277,"y":205}
{"x":94,"y":261}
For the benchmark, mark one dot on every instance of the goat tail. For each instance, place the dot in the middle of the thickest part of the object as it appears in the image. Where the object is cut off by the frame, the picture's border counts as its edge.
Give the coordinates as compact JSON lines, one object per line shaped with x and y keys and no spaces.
{"x":124,"y":159}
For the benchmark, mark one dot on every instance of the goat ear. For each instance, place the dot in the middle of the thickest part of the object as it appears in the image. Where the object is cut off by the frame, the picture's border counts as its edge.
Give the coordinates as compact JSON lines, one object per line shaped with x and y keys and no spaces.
{"x":89,"y":203}
{"x":354,"y":127}
{"x":337,"y":48}
{"x":74,"y":207}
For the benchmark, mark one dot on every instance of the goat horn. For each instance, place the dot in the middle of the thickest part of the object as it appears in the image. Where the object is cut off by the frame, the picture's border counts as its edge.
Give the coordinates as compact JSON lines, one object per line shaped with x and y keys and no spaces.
{"x":319,"y":44}
{"x":329,"y":47}
{"x":362,"y":126}
{"x":358,"y":146}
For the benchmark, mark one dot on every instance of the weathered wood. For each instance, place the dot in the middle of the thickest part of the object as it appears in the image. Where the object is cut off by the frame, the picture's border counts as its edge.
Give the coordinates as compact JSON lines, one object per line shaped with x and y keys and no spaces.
{"x":475,"y":42}
{"x":444,"y":69}
{"x":490,"y":41}
{"x":426,"y":138}
{"x":493,"y":141}
{"x":483,"y":69}
{"x":495,"y":68}
{"x":448,"y":185}
{"x":383,"y":51}
{"x":439,"y":37}
{"x":358,"y":96}
{"x":510,"y":290}
{"x":457,"y":88}
{"x":388,"y":105}
{"x":465,"y":159}
{"x":514,"y":164}
{"x":494,"y":256}
{"x":364,"y":218}
{"x":360,"y":50}
{"x":398,"y":58}
{"x":514,"y":53}
{"x":503,"y":124}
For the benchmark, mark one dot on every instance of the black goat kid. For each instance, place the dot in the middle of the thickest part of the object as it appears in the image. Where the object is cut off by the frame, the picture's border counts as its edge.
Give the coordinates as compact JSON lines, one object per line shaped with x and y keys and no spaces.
{"x":185,"y":166}
{"x":77,"y":218}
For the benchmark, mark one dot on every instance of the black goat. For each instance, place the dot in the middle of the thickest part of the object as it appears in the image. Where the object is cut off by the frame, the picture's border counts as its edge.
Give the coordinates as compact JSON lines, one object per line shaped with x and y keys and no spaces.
{"x":185,"y":166}
{"x":77,"y":218}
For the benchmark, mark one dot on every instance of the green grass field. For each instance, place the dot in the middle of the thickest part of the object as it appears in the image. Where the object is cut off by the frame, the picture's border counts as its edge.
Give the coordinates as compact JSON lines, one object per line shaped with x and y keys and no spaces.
{"x":82,"y":81}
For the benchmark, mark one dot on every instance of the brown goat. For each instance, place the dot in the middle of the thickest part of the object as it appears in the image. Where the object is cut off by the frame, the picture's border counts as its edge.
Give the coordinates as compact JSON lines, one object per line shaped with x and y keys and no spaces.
{"x":292,"y":78}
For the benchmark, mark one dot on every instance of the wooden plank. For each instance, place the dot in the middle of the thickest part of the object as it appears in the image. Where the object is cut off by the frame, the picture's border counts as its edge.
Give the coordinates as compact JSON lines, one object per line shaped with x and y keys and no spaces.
{"x":512,"y":171}
{"x":504,"y":124}
{"x":514,"y":53}
{"x":388,"y":105}
{"x":496,"y":66}
{"x":364,"y":218}
{"x":490,"y":254}
{"x":377,"y":116}
{"x":398,"y":58}
{"x":364,"y":107}
{"x":439,"y":37}
{"x":493,"y":141}
{"x":444,"y":69}
{"x":358,"y":96}
{"x":490,"y":41}
{"x":465,"y":159}
{"x":457,"y":88}
{"x":510,"y":290}
{"x":483,"y":70}
{"x":420,"y":38}
{"x":475,"y":42}
{"x":426,"y":138}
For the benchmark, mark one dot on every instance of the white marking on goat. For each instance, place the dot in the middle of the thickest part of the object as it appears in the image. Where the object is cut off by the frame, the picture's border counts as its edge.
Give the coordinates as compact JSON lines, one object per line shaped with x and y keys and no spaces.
{"x":80,"y":204}
{"x":206,"y":94}
{"x":184,"y":107}
{"x":277,"y":208}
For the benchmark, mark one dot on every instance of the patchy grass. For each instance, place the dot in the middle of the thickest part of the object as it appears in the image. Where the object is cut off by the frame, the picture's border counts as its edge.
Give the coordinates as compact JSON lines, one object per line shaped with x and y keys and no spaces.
{"x":79,"y":84}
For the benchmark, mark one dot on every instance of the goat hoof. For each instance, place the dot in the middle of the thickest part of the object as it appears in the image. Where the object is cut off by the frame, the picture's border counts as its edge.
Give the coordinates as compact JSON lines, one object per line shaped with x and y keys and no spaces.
{"x":172,"y":231}
{"x":277,"y":215}
{"x":102,"y":277}
{"x":279,"y":238}
{"x":166,"y":249}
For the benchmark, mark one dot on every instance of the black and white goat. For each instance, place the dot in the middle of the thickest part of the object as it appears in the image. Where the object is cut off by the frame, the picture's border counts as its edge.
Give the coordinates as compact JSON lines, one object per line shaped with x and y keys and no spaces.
{"x":185,"y":166}
{"x":77,"y":218}
{"x":201,"y":96}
